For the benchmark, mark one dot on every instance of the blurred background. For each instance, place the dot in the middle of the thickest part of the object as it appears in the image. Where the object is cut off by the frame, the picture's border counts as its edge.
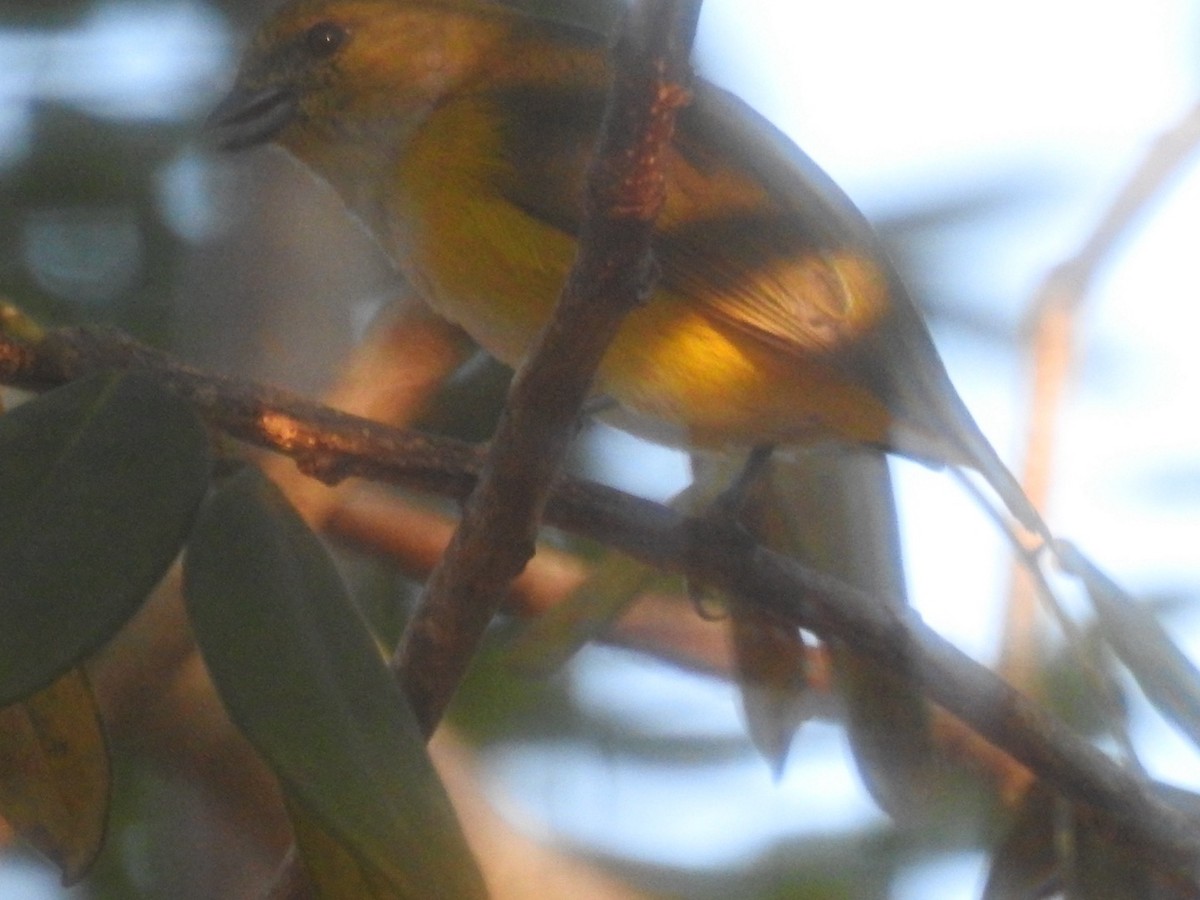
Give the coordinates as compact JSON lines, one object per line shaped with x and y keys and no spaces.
{"x":983,"y":139}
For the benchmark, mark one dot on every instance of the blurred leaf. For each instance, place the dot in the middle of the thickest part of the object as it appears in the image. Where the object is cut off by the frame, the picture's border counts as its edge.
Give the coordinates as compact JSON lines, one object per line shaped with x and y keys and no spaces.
{"x":335,"y":871}
{"x":772,"y":675}
{"x":495,"y":703}
{"x":467,"y":405}
{"x":1054,"y":848}
{"x":54,"y":773}
{"x":99,"y":484}
{"x":1168,"y":678}
{"x":1069,"y":690}
{"x":769,"y":655}
{"x":16,"y":322}
{"x":84,"y":221}
{"x":834,"y":509}
{"x":1025,"y":866}
{"x":887,"y":723}
{"x":303,"y":679}
{"x":553,"y":638}
{"x":1106,"y":867}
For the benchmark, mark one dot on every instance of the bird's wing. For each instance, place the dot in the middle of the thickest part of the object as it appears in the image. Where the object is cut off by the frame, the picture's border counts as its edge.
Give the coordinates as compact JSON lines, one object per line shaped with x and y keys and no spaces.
{"x":785,"y":272}
{"x":753,"y":234}
{"x":799,"y":267}
{"x":547,"y":136}
{"x":893,"y":355}
{"x":881,"y":340}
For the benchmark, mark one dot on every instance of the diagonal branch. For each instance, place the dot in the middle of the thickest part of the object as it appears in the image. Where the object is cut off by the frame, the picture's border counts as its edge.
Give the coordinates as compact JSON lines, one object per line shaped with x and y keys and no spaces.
{"x":1052,"y":324}
{"x":336,"y":445}
{"x":611,"y":275}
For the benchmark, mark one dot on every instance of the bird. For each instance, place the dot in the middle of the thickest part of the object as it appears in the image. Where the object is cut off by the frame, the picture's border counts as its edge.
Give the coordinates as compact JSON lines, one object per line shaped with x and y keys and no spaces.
{"x":458,"y":133}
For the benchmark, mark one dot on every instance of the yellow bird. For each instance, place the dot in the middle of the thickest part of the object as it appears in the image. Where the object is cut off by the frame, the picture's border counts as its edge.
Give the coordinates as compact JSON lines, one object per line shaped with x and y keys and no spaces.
{"x":458,"y":132}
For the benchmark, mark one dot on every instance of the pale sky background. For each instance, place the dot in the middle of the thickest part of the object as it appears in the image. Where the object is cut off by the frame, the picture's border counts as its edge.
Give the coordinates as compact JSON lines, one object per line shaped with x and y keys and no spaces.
{"x":900,"y":103}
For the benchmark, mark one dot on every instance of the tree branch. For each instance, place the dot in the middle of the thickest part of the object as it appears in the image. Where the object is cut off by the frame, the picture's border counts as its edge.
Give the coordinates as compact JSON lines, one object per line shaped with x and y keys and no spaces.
{"x":335,"y":445}
{"x":611,"y":275}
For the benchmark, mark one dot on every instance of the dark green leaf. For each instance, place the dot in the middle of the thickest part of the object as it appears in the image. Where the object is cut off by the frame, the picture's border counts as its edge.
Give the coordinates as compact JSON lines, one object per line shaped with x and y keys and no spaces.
{"x":99,"y":483}
{"x":302,"y":677}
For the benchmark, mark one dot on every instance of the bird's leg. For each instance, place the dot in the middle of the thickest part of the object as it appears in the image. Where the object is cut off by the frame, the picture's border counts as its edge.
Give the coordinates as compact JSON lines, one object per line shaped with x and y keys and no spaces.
{"x":724,"y":511}
{"x":728,"y":504}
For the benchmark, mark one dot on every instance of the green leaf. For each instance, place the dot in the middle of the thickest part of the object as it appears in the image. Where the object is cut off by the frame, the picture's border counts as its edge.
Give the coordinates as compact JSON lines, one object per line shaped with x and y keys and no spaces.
{"x":333,"y":870}
{"x":550,"y":640}
{"x":303,"y":679}
{"x":1167,"y":677}
{"x":99,"y":483}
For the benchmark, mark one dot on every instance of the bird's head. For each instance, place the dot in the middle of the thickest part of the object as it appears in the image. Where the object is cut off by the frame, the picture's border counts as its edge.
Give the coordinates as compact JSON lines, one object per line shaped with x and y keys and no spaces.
{"x":336,"y":70}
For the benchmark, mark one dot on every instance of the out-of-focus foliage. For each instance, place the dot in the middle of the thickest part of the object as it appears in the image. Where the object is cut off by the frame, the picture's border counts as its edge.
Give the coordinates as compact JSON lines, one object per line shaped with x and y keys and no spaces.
{"x":304,"y":680}
{"x":54,"y":773}
{"x":103,"y":450}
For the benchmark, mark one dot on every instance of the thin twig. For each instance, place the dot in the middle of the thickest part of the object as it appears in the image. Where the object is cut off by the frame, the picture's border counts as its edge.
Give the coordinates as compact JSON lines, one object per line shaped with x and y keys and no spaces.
{"x":1052,"y":325}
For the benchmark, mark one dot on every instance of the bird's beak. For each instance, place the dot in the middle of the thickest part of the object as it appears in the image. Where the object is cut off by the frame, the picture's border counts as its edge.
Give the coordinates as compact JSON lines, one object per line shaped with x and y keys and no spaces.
{"x":250,"y":116}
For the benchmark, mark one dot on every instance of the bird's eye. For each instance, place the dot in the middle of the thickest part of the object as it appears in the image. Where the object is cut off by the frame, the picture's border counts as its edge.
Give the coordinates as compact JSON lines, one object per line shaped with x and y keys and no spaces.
{"x":325,"y":39}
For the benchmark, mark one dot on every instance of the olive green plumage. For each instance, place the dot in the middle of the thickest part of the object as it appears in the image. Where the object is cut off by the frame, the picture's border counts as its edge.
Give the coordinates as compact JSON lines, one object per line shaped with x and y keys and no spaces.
{"x":458,"y":132}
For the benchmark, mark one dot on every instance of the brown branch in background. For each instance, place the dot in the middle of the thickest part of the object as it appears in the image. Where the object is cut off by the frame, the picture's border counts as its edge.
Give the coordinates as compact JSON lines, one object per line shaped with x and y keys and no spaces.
{"x":325,"y":444}
{"x":1052,"y":323}
{"x":611,"y":275}
{"x":404,"y":358}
